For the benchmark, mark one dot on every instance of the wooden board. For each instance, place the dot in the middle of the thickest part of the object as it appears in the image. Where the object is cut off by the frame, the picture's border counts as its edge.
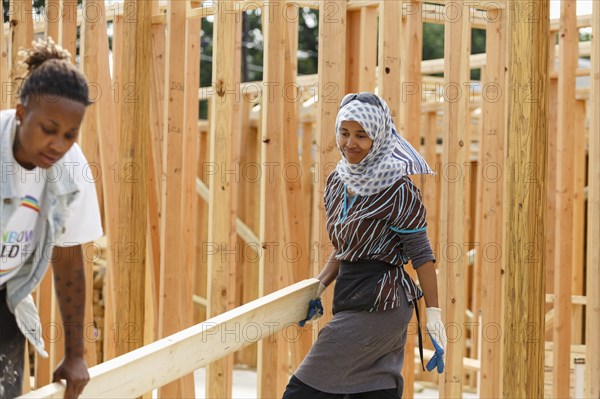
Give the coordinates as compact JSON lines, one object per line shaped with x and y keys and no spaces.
{"x":4,"y":67}
{"x":154,"y":365}
{"x":489,"y":252}
{"x":221,"y":221}
{"x":175,"y":304}
{"x":133,"y":158}
{"x":524,"y":215}
{"x":565,"y":160}
{"x":67,"y":29}
{"x":453,"y":255}
{"x":21,"y":36}
{"x":592,"y":384}
{"x":273,"y":363}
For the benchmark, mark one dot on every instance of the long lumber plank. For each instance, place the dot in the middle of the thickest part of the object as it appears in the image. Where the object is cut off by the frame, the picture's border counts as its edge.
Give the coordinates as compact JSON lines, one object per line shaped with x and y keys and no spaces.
{"x":154,"y":365}
{"x":592,"y":384}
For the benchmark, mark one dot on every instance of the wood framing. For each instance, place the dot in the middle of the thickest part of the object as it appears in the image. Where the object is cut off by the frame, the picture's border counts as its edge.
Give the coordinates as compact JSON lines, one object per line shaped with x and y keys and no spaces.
{"x":453,"y":253}
{"x":489,"y":251}
{"x":135,"y":127}
{"x":563,"y":272}
{"x":67,"y":28}
{"x":592,"y":350}
{"x":221,"y":221}
{"x":524,"y":218}
{"x":175,"y":294}
{"x":332,"y":44}
{"x":4,"y":67}
{"x":21,"y":36}
{"x":273,"y":267}
{"x":390,"y":39}
{"x":144,"y":369}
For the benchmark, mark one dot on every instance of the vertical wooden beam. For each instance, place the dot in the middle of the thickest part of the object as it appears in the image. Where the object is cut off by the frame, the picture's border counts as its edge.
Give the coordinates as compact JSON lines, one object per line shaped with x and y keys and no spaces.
{"x":221,"y":222}
{"x":67,"y":30}
{"x":390,"y":39}
{"x":453,"y":254}
{"x":53,"y":17}
{"x":353,"y":41}
{"x":332,"y":75}
{"x":489,"y":251}
{"x":578,"y":236}
{"x":592,"y":350}
{"x":272,"y":362}
{"x":551,"y":223}
{"x":568,"y":54}
{"x":175,"y":276}
{"x":21,"y":36}
{"x":411,"y":110}
{"x":524,"y":217}
{"x":135,"y":127}
{"x":5,"y":89}
{"x":430,"y":191}
{"x":121,"y":88}
{"x":368,"y":49}
{"x":411,"y":87}
{"x":89,"y":142}
{"x":108,"y":136}
{"x":294,"y":227}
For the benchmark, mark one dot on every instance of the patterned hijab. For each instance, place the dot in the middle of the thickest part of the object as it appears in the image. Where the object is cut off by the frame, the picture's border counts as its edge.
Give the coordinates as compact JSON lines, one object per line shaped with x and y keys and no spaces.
{"x":390,"y":158}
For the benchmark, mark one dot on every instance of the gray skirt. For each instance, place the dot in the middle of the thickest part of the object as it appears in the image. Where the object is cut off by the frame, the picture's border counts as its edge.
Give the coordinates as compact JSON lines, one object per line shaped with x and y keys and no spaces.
{"x":359,"y":351}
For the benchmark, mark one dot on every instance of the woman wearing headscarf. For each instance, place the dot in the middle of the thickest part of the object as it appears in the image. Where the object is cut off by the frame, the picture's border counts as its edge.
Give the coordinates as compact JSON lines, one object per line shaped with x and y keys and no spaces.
{"x":376,"y":222}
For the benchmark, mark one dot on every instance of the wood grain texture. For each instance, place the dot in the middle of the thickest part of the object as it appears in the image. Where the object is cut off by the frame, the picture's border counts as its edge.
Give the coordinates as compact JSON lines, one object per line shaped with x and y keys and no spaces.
{"x":565,"y":193}
{"x":453,"y":253}
{"x":592,"y":384}
{"x":525,"y":200}
{"x":489,"y":252}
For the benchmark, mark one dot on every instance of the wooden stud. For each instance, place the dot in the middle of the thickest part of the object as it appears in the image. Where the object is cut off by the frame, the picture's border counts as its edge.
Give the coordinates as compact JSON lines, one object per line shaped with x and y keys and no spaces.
{"x":53,"y":16}
{"x":109,"y":155}
{"x":21,"y":36}
{"x":221,"y":223}
{"x":67,"y":30}
{"x":332,"y":45}
{"x":353,"y":34}
{"x":388,"y":82}
{"x":410,"y":109}
{"x":368,"y":49}
{"x":88,"y":140}
{"x":489,"y":251}
{"x":568,"y":39}
{"x":524,"y":215}
{"x":135,"y":126}
{"x":453,"y":254}
{"x":175,"y":292}
{"x":551,"y":196}
{"x":5,"y":89}
{"x":122,"y":89}
{"x":272,"y":353}
{"x":294,"y":227}
{"x":43,"y":368}
{"x":578,"y":237}
{"x":592,"y":350}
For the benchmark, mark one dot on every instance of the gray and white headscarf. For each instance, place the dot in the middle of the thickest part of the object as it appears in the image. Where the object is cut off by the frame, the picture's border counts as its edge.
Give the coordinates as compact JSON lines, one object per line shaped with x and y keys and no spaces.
{"x":390,"y":158}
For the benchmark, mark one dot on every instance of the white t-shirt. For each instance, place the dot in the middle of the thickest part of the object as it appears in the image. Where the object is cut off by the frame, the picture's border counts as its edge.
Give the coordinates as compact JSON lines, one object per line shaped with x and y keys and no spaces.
{"x":23,"y":230}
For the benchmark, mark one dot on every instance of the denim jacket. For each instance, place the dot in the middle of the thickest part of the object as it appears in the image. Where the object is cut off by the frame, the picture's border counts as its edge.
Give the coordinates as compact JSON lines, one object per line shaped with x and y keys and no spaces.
{"x":61,"y":190}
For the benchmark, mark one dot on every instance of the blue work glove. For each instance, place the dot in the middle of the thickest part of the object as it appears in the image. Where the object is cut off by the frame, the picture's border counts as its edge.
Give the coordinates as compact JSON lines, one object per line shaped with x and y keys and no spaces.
{"x":437,"y":333}
{"x":315,"y":308}
{"x":438,"y":358}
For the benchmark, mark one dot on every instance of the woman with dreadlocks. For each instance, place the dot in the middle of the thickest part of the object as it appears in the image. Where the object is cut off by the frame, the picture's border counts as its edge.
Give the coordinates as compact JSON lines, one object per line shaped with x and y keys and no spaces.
{"x":48,"y":209}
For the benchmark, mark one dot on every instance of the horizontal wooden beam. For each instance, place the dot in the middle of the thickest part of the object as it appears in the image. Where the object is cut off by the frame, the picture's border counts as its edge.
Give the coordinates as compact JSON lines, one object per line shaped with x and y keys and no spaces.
{"x":575,"y":299}
{"x":140,"y":371}
{"x":432,"y":13}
